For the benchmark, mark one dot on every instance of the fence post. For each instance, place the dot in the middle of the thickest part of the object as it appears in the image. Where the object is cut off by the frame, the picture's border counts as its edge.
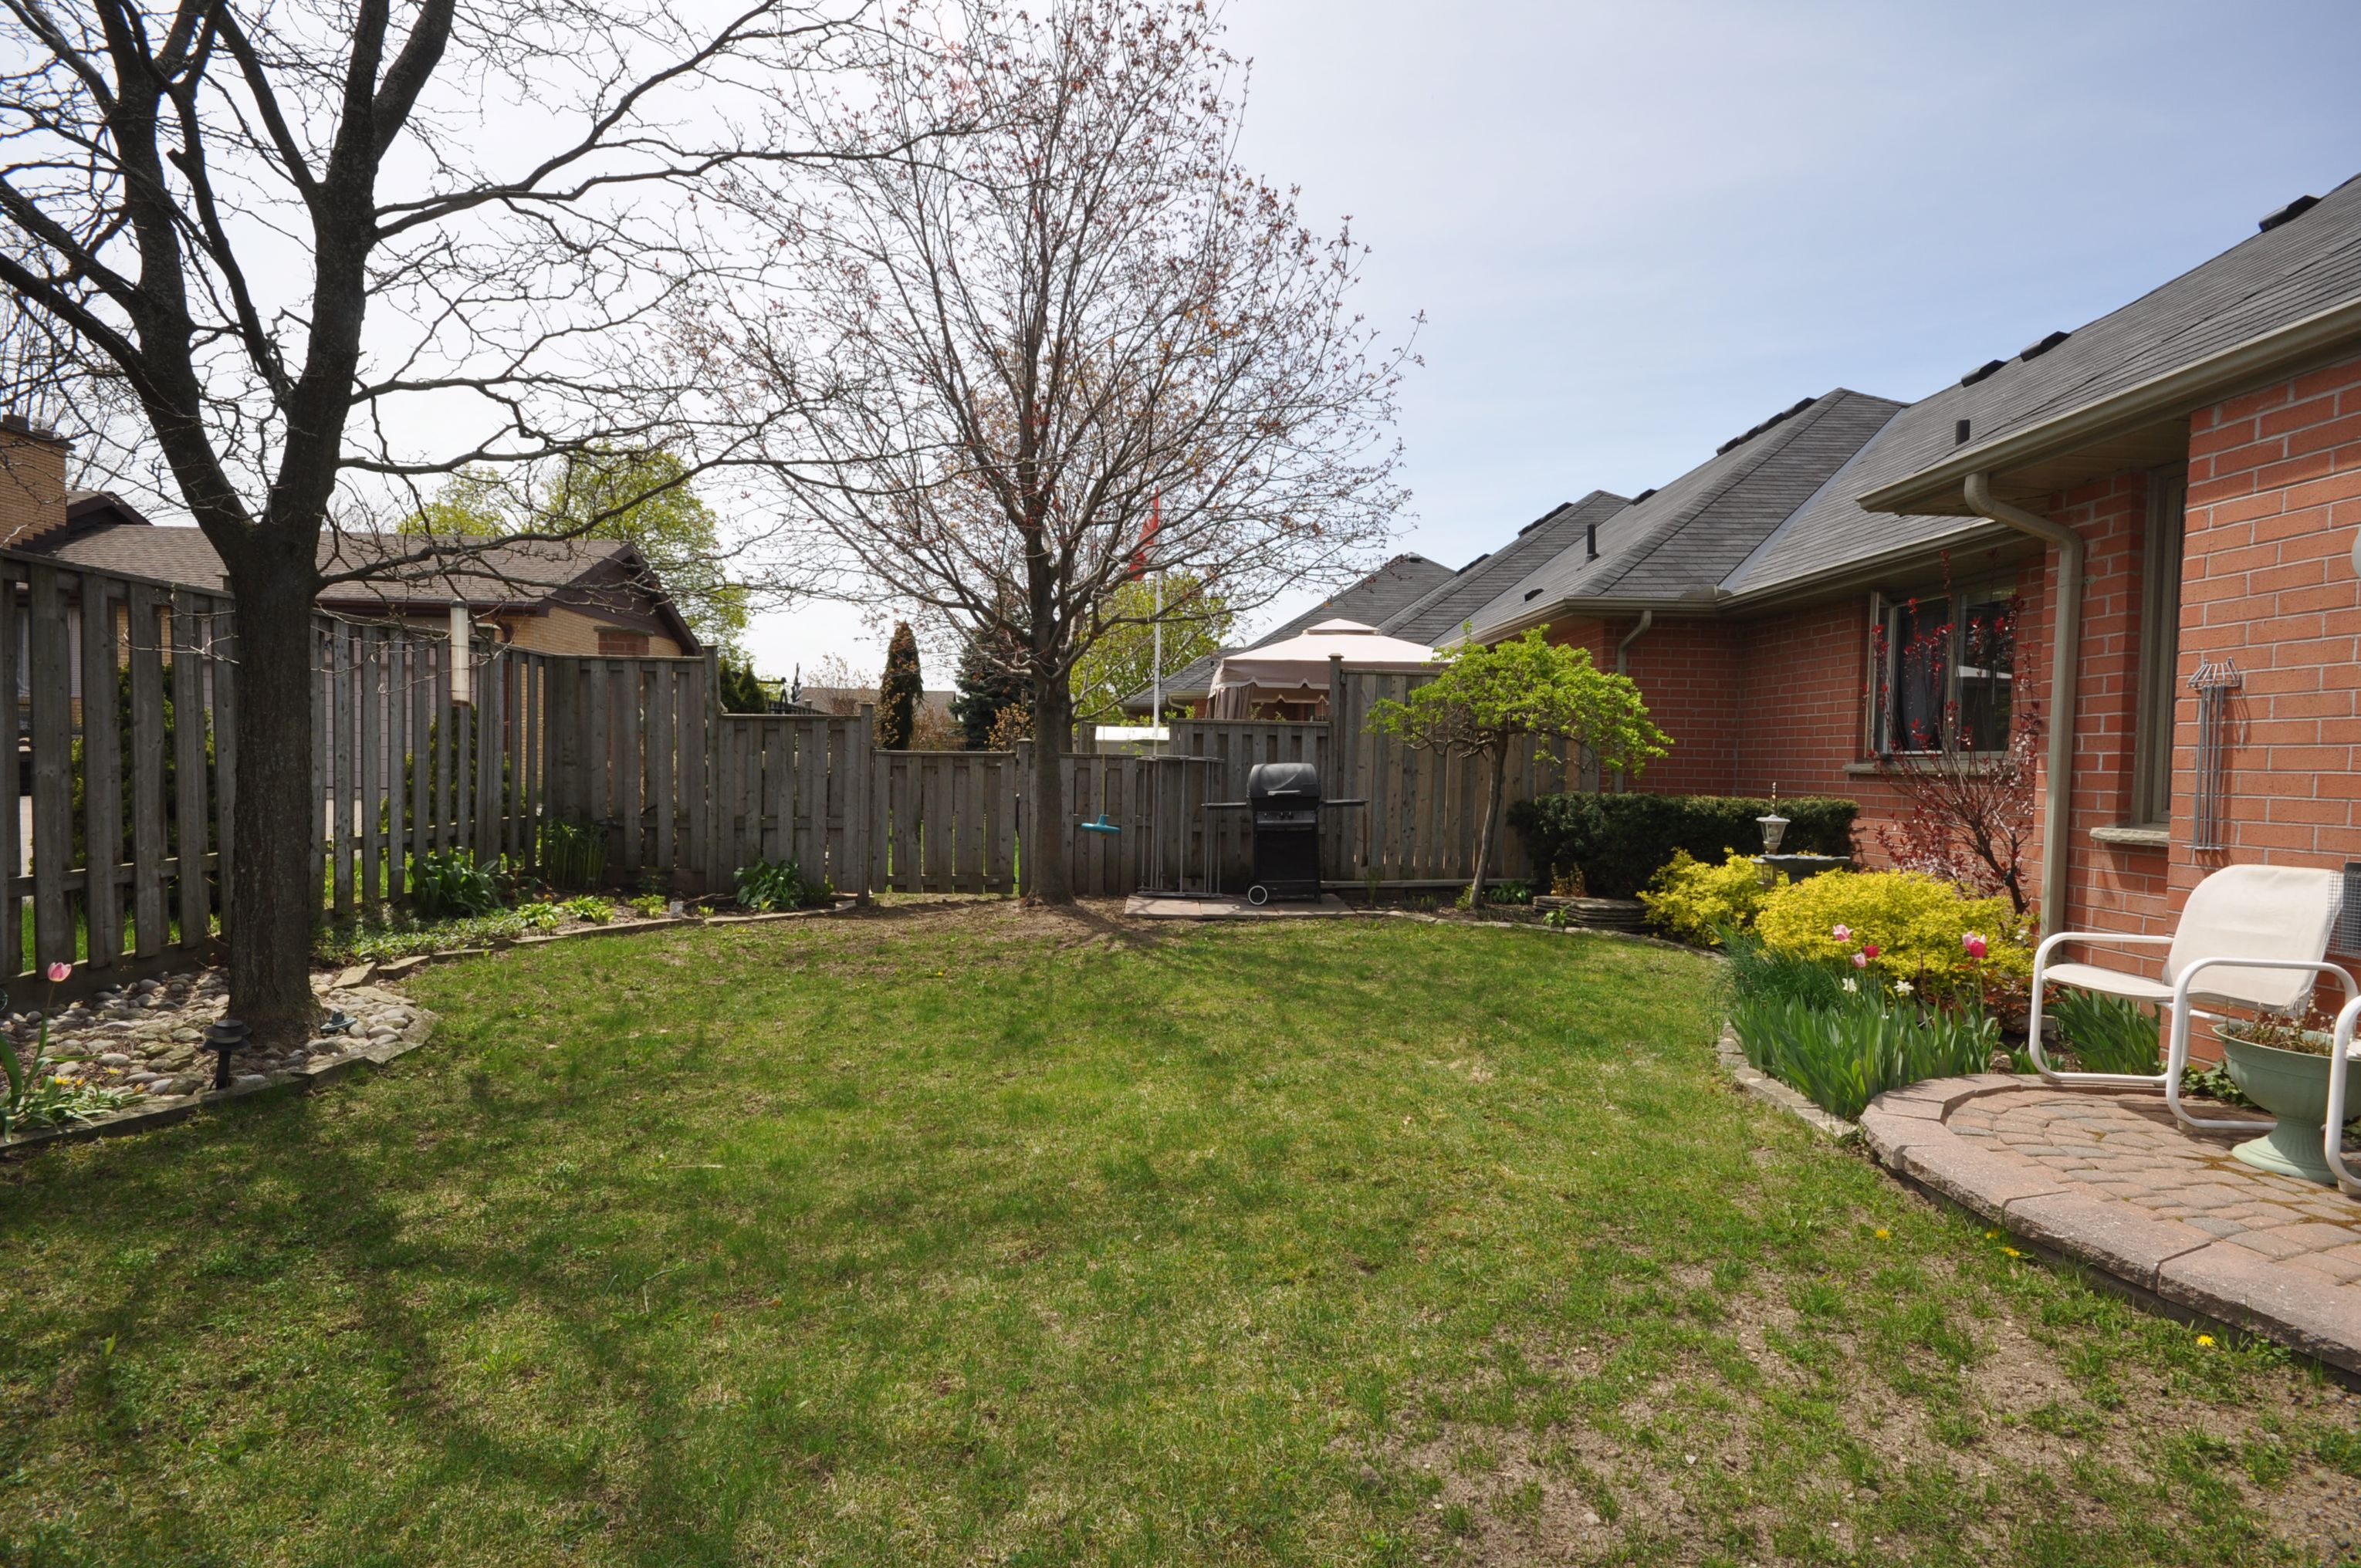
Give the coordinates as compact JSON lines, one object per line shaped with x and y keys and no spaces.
{"x":861,"y":792}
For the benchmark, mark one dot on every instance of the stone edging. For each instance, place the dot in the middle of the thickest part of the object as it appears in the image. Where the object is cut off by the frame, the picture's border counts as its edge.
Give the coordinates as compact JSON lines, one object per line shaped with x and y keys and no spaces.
{"x":1905,"y":1130}
{"x":155,"y":1112}
{"x":1764,"y":1086}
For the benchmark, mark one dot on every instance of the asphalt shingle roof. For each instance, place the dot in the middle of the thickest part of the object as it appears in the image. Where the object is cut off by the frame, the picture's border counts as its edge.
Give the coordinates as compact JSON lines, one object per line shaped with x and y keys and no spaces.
{"x":2270,"y":279}
{"x":522,"y":573}
{"x":1437,"y":614}
{"x":1681,"y":541}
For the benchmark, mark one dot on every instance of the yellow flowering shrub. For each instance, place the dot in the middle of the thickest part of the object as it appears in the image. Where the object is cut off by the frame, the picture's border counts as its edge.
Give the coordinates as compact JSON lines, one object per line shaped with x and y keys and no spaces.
{"x":1691,"y":899}
{"x":1918,"y":923}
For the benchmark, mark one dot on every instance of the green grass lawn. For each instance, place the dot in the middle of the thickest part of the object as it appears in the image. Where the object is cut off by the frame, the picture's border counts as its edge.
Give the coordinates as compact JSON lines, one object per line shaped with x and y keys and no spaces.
{"x":981,"y":1236}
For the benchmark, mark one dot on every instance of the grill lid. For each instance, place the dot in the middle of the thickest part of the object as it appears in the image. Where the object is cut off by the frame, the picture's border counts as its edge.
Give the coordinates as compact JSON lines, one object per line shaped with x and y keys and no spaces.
{"x":1283,"y":786}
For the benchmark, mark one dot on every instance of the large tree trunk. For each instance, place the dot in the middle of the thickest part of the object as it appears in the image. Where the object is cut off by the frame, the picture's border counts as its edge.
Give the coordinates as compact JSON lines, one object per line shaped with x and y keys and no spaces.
{"x":273,"y":896}
{"x":1053,"y":721}
{"x":1484,"y":834}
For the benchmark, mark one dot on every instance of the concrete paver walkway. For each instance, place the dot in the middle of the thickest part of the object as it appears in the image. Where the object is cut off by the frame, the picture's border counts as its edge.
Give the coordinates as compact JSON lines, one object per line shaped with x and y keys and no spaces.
{"x":2109,"y":1177}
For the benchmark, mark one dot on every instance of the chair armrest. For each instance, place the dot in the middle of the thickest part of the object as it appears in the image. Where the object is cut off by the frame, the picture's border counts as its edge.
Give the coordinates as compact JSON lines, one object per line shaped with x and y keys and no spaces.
{"x":2097,"y":938}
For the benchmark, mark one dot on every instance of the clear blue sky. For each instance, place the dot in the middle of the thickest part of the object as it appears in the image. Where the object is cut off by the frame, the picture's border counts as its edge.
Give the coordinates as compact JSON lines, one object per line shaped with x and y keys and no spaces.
{"x":1638,"y":229}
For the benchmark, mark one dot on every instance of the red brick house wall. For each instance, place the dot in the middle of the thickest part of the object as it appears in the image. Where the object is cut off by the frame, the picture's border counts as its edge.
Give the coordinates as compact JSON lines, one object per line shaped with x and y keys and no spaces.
{"x":2273,"y":505}
{"x":2273,"y":500}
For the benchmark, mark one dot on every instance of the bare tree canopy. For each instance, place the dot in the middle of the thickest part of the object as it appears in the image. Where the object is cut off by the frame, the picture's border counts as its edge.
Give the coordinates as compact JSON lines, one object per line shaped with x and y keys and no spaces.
{"x":283,"y":259}
{"x":993,"y":357}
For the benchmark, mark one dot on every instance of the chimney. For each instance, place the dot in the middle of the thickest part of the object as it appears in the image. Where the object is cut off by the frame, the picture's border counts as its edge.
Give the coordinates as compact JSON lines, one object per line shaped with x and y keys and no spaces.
{"x":32,"y":482}
{"x":1590,"y":540}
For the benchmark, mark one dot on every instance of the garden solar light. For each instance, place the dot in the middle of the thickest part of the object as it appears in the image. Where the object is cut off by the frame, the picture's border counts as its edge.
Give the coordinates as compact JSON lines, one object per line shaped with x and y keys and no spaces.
{"x":224,"y":1039}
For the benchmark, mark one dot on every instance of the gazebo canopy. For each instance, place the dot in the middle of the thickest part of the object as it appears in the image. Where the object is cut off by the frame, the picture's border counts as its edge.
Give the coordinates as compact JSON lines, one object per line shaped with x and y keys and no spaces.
{"x":1297,"y":667}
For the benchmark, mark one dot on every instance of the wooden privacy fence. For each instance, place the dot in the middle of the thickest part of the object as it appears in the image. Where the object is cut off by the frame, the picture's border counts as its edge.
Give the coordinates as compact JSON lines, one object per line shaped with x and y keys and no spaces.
{"x":633,"y":746}
{"x":119,"y":842}
{"x":116,"y":840}
{"x":405,"y":761}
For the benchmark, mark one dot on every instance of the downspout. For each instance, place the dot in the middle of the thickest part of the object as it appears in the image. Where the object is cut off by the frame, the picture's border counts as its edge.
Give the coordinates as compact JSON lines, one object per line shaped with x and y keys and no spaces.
{"x":2066,"y":642}
{"x":1623,"y":667}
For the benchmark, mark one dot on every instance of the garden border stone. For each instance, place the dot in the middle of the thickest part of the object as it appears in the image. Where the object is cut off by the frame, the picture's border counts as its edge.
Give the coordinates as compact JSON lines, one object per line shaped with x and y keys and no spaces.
{"x":155,"y":1112}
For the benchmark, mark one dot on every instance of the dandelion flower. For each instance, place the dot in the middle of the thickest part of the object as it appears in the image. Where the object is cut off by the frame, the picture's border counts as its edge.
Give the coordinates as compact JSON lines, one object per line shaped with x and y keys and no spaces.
{"x":1992,"y":1236}
{"x":2205,"y":1339}
{"x":1884,"y":1234}
{"x":2012,"y":1252}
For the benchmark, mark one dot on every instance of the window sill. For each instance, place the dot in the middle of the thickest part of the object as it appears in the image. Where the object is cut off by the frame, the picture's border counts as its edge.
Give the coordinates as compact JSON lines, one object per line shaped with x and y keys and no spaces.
{"x":1877,"y":766}
{"x":2125,"y":836}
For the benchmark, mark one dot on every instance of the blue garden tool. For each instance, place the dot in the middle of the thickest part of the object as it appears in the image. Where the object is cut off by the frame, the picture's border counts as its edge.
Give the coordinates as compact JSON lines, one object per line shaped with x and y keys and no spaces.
{"x":1102,"y":826}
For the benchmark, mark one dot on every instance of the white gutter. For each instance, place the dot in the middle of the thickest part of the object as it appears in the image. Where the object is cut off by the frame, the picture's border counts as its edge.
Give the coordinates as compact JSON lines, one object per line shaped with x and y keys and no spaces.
{"x":2065,"y":664}
{"x":1623,"y":667}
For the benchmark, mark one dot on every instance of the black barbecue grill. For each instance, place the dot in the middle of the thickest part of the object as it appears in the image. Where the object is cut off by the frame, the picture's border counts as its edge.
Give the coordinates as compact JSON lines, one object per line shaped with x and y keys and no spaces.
{"x":1284,"y":804}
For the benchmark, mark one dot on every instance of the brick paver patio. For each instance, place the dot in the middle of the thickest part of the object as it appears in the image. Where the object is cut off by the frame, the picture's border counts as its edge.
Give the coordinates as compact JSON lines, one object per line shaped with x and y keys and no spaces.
{"x":2111,"y":1179}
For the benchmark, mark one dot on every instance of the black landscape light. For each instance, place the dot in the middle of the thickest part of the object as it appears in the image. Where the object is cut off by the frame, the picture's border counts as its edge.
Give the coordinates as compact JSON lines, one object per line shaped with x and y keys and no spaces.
{"x":224,"y":1039}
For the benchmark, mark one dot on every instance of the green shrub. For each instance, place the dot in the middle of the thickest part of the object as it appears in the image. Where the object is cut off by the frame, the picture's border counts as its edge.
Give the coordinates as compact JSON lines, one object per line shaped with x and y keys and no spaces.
{"x":1842,"y":1056}
{"x":1619,"y":841}
{"x":448,"y":883}
{"x":1917,"y":924}
{"x":1698,"y":902}
{"x":2108,"y":1033}
{"x":779,"y":884}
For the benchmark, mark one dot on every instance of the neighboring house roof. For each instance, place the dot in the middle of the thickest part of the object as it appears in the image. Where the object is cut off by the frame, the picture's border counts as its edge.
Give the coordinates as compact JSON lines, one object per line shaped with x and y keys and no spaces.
{"x":1676,"y":544}
{"x":1437,"y":614}
{"x":1390,"y":589}
{"x":2285,"y":295}
{"x":605,"y":578}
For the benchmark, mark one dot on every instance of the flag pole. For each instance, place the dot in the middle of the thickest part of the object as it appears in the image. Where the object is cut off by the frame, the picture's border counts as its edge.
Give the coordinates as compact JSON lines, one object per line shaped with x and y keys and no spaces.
{"x":1156,"y":684}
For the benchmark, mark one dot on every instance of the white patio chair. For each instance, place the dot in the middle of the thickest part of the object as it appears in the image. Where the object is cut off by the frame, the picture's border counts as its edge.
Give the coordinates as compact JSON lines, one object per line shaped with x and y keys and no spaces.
{"x":2250,"y":936}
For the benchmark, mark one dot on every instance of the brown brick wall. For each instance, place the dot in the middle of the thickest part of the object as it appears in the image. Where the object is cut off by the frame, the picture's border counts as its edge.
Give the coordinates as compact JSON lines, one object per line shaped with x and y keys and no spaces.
{"x":32,"y":487}
{"x":562,"y":630}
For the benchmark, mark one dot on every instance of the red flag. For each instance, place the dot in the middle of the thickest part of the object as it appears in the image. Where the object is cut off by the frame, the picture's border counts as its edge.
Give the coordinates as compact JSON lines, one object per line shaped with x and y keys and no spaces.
{"x":1148,"y":536}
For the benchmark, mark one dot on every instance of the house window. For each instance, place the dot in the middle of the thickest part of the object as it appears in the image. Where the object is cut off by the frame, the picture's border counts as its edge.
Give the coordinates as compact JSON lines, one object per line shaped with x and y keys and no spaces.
{"x":2159,"y":650}
{"x":1945,"y":672}
{"x":614,"y":644}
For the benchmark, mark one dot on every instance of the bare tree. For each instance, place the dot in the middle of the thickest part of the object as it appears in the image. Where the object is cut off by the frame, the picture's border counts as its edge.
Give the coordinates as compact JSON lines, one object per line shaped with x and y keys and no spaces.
{"x":997,"y":357}
{"x":295,"y":283}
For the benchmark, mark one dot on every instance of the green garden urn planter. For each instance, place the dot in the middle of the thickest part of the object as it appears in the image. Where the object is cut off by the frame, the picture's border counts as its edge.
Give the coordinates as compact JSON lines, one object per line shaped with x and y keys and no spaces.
{"x":2293,"y":1086}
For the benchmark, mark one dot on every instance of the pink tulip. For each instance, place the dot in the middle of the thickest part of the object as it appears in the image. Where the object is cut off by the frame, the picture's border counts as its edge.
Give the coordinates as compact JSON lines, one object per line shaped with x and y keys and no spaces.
{"x":58,"y":973}
{"x":1842,"y":933}
{"x":1975,"y":945}
{"x":1861,"y":960}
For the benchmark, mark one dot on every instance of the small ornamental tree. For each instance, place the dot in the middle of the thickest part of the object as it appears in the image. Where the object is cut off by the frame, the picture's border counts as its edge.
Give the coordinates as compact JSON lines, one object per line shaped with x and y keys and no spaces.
{"x":1490,"y":700}
{"x":899,"y":692}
